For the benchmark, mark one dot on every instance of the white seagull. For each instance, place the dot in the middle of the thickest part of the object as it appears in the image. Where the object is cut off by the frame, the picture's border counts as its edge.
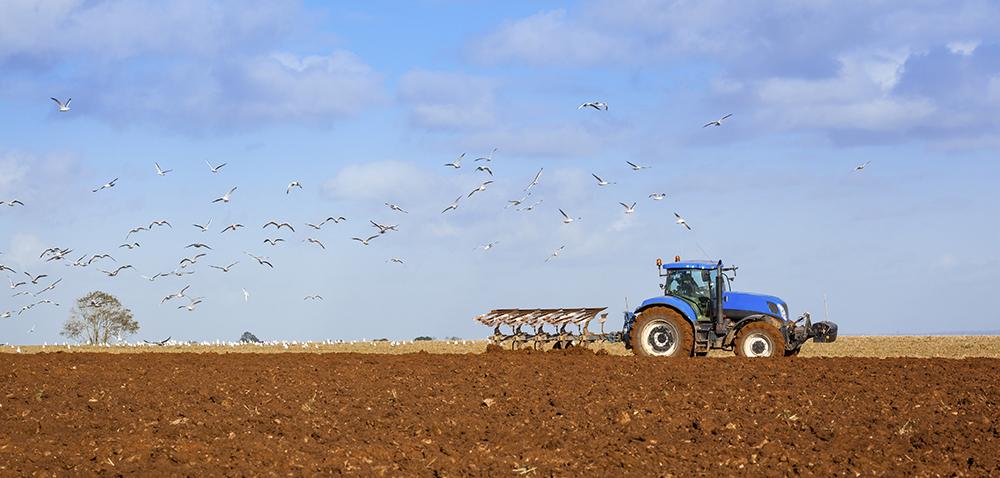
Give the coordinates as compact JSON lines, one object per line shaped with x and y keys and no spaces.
{"x":364,"y":241}
{"x":657,"y":196}
{"x":161,"y":172}
{"x":534,"y":182}
{"x":313,"y":297}
{"x":488,"y":246}
{"x":457,"y":163}
{"x":246,"y":295}
{"x":485,"y":169}
{"x":278,"y":225}
{"x":315,"y":241}
{"x":214,"y":169}
{"x":225,"y":197}
{"x":452,"y":206}
{"x":566,"y":218}
{"x":205,"y":227}
{"x":395,"y":207}
{"x":177,"y":295}
{"x":680,"y":220}
{"x":861,"y":167}
{"x":34,"y":279}
{"x":109,"y":184}
{"x":396,"y":260}
{"x":717,"y":122}
{"x":628,"y":209}
{"x":260,"y":260}
{"x":293,"y":184}
{"x":382,"y":228}
{"x":63,"y":107}
{"x":636,"y":167}
{"x":11,"y":203}
{"x":481,"y":188}
{"x":232,"y":227}
{"x":226,"y":268}
{"x":273,"y":242}
{"x":555,"y":253}
{"x":600,"y":182}
{"x":487,"y":158}
{"x":597,"y":105}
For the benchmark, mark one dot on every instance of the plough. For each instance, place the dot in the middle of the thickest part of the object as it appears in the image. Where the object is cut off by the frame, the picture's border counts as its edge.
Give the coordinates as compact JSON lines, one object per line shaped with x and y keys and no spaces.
{"x":558,"y":321}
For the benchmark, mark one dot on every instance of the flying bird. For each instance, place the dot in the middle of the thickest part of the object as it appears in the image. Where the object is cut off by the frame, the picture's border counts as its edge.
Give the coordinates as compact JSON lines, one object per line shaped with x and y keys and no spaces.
{"x":231,"y":227}
{"x":534,"y":182}
{"x":226,"y":268}
{"x":160,"y":343}
{"x":515,"y":202}
{"x":177,"y":295}
{"x":717,"y":122}
{"x":657,"y":196}
{"x":531,"y":207}
{"x":225,"y":197}
{"x":34,"y":279}
{"x":278,"y":226}
{"x":160,"y":223}
{"x":396,"y":260}
{"x":246,"y":296}
{"x":364,"y":241}
{"x":107,"y":185}
{"x":190,"y":261}
{"x":336,"y":220}
{"x":636,"y":167}
{"x":115,"y":272}
{"x":382,"y":229}
{"x":481,"y":188}
{"x":485,"y":169}
{"x":600,"y":182}
{"x":315,"y":241}
{"x":487,"y":158}
{"x":131,"y":246}
{"x":214,"y":169}
{"x":134,"y":230}
{"x":861,"y":167}
{"x":11,"y":203}
{"x":48,"y":288}
{"x":273,"y":242}
{"x":597,"y":105}
{"x":395,"y":208}
{"x":680,"y":220}
{"x":313,"y":297}
{"x":205,"y":227}
{"x":96,"y":257}
{"x":555,"y":253}
{"x":628,"y":209}
{"x":488,"y":246}
{"x":293,"y":184}
{"x":457,"y":163}
{"x":63,"y":107}
{"x":260,"y":260}
{"x":191,"y":306}
{"x":452,"y":206}
{"x":198,"y":245}
{"x":315,"y":226}
{"x":15,"y":285}
{"x":566,"y":218}
{"x":160,"y":171}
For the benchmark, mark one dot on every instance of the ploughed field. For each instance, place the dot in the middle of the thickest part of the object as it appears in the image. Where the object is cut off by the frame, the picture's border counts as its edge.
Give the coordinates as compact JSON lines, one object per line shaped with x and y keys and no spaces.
{"x":571,"y":413}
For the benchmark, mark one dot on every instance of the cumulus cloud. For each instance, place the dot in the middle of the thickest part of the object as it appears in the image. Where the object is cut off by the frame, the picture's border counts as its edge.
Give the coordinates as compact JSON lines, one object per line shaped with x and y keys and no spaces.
{"x":450,"y":101}
{"x":182,"y":64}
{"x":842,"y":69}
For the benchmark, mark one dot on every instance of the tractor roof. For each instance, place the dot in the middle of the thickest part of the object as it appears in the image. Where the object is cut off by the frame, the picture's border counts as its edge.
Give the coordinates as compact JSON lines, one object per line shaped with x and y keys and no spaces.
{"x":699,"y":264}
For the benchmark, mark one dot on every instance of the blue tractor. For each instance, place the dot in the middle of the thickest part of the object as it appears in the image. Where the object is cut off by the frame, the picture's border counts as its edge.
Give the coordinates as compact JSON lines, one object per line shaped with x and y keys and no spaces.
{"x":698,"y":312}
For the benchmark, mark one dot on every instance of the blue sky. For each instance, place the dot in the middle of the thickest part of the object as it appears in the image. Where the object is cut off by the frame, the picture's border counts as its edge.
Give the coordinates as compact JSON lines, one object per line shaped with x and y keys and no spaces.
{"x":364,"y":102}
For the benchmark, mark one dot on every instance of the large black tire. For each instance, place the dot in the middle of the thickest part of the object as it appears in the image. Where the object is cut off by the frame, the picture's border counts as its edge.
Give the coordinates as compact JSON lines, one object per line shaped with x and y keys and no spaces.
{"x":760,"y":339}
{"x":662,"y":332}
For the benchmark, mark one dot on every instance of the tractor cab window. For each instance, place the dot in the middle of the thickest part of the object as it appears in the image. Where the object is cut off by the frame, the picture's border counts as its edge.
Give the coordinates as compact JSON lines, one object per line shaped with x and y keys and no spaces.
{"x":696,"y":286}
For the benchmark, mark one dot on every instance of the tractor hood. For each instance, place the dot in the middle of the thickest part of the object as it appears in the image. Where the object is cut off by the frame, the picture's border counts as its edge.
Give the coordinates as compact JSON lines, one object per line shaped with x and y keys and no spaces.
{"x":737,"y":305}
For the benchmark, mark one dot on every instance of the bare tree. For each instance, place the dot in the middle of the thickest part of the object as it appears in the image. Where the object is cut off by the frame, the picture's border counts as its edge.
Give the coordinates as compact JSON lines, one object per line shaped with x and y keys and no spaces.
{"x":97,"y":317}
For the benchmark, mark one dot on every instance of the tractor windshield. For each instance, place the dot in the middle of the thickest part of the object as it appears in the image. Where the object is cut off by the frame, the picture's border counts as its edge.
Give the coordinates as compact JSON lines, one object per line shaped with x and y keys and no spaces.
{"x":696,"y":286}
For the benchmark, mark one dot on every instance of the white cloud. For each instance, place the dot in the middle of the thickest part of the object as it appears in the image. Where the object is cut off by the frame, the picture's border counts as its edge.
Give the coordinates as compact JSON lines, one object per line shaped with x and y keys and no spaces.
{"x":439,"y":100}
{"x":963,"y":48}
{"x":860,"y":96}
{"x":380,"y":181}
{"x":548,"y":37}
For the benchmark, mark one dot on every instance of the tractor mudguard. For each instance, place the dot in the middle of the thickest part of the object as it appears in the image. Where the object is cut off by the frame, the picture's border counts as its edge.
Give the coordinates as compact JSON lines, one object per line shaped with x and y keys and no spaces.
{"x":680,"y":305}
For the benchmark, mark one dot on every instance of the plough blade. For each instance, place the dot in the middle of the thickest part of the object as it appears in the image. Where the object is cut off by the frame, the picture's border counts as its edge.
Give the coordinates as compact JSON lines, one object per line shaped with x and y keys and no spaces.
{"x":557,"y":319}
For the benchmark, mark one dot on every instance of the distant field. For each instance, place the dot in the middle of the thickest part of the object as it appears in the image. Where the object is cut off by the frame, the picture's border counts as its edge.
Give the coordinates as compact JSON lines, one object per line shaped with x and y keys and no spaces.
{"x":852,"y":346}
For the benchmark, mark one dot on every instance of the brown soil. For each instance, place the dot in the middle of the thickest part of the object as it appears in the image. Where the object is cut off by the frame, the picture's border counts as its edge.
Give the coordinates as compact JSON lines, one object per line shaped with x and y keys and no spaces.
{"x":498,"y":414}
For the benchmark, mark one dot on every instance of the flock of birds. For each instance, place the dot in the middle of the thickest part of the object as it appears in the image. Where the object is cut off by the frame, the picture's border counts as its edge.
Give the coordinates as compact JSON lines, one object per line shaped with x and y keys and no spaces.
{"x":200,"y":250}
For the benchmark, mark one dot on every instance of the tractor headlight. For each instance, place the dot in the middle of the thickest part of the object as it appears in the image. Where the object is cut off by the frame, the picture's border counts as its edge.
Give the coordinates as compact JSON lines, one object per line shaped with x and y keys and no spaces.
{"x":783,"y":308}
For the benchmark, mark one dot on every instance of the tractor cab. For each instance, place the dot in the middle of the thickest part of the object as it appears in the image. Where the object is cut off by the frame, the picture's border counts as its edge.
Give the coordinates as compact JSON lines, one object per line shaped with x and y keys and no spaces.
{"x":695,"y":282}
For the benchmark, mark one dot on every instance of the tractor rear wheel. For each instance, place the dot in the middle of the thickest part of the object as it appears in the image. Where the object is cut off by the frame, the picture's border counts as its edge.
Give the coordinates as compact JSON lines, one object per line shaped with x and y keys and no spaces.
{"x":760,"y":339}
{"x":662,"y":332}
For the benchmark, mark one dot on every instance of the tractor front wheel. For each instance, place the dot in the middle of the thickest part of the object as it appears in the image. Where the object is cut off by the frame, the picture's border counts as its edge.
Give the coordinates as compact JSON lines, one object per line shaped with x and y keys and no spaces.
{"x":662,"y":332}
{"x":760,"y":339}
